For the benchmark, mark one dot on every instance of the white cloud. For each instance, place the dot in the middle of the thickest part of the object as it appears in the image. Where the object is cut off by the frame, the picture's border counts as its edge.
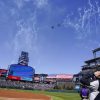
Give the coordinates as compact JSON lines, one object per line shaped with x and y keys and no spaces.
{"x":85,"y":24}
{"x":41,"y":3}
{"x":26,"y":36}
{"x":19,"y":3}
{"x":38,"y":3}
{"x":87,"y":21}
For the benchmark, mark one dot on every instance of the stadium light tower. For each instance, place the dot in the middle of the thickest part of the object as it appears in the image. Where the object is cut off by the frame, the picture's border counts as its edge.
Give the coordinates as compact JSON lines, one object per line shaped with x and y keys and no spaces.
{"x":23,"y":59}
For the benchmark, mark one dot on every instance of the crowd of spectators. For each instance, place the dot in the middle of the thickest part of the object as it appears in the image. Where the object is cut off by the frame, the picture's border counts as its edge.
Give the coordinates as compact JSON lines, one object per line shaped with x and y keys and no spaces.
{"x":25,"y":85}
{"x":42,"y":86}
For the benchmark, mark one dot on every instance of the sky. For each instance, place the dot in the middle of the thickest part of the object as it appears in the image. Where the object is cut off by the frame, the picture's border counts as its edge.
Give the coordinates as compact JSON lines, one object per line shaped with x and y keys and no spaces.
{"x":59,"y":35}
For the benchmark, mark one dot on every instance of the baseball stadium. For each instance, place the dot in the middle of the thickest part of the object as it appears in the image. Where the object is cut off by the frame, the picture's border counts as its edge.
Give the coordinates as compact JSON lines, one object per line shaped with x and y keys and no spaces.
{"x":20,"y":82}
{"x":45,"y":49}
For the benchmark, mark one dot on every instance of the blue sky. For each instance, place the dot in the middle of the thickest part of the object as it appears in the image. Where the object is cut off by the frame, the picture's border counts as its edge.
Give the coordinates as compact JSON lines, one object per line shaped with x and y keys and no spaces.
{"x":27,"y":25}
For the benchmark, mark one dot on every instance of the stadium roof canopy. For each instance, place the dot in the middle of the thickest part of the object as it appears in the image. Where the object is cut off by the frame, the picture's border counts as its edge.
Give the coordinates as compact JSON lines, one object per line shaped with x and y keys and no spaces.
{"x":61,"y":76}
{"x":92,"y":60}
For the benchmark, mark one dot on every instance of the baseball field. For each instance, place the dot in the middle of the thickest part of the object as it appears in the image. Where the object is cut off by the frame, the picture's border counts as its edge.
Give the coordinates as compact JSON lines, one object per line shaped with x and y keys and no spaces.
{"x":11,"y":94}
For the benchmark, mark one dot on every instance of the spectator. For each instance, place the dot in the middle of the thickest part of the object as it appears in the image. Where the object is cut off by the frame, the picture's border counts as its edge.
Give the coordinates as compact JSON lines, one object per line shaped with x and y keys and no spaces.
{"x":93,"y":81}
{"x":84,"y":93}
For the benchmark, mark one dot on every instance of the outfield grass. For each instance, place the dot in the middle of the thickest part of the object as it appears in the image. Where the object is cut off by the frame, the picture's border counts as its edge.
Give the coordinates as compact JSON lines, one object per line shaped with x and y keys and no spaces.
{"x":60,"y":96}
{"x":64,"y":96}
{"x":56,"y":95}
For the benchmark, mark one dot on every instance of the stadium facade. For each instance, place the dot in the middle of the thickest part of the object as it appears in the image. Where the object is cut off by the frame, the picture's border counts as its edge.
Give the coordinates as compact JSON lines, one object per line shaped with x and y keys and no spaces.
{"x":91,"y":65}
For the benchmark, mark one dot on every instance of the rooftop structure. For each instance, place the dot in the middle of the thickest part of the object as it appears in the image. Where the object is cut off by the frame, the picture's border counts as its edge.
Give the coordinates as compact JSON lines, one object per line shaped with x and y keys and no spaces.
{"x":23,"y":59}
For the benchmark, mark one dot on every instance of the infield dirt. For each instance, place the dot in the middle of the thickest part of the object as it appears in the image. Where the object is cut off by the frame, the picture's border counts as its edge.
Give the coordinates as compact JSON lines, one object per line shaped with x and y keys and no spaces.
{"x":21,"y":95}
